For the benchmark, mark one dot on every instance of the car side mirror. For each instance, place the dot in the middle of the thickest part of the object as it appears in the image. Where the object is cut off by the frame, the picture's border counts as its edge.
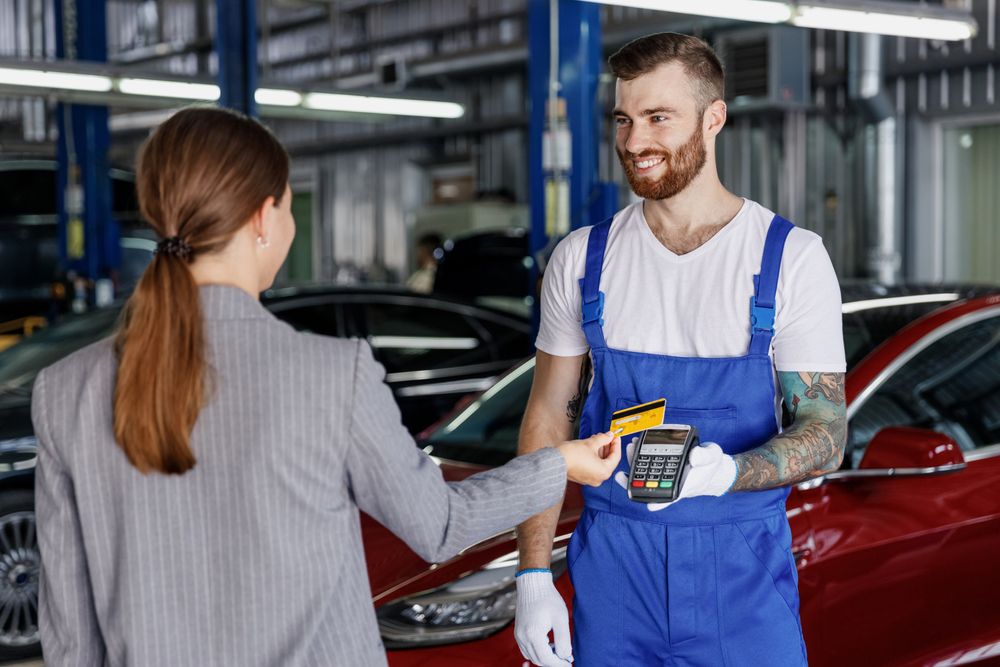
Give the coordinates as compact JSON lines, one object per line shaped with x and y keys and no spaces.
{"x":906,"y":448}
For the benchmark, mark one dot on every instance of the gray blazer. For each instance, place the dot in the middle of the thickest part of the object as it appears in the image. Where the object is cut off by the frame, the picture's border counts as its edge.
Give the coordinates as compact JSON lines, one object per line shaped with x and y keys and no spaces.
{"x":254,"y":557}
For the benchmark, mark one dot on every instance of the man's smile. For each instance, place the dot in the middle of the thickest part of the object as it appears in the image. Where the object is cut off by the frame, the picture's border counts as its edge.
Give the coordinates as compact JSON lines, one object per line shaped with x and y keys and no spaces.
{"x":647,"y":164}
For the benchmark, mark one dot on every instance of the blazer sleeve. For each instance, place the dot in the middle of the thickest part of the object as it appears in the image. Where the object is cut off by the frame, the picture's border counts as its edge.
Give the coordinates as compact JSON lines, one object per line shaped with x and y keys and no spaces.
{"x":67,"y":621}
{"x":400,"y":486}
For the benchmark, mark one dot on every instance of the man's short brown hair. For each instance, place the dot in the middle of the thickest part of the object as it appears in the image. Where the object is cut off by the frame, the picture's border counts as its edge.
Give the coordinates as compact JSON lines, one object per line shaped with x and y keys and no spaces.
{"x":643,"y":55}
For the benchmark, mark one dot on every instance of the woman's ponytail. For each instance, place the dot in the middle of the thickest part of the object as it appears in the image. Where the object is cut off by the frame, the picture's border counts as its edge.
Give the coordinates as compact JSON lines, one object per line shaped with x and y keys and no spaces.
{"x":161,"y":368}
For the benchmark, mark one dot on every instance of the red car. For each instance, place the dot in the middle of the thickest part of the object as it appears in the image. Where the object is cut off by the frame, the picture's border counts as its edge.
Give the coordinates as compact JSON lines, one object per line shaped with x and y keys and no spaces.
{"x":898,"y":552}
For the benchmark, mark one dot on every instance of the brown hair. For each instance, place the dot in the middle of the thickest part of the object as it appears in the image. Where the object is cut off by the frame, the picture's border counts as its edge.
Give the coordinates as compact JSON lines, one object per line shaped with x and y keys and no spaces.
{"x":200,"y":177}
{"x":643,"y":55}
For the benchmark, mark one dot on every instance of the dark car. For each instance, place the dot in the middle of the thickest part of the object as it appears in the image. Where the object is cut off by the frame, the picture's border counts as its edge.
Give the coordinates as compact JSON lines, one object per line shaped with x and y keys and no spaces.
{"x":434,"y":349}
{"x":895,"y":553}
{"x":488,"y":267}
{"x":29,"y":246}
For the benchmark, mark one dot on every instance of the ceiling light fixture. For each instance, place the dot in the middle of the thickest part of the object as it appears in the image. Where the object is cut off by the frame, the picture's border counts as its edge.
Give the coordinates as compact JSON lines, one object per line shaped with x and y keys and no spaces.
{"x":883,"y":23}
{"x":91,"y":83}
{"x":203,"y":92}
{"x":277,"y":98}
{"x":759,"y":11}
{"x":382,"y":105}
{"x":33,"y":78}
{"x":884,"y":17}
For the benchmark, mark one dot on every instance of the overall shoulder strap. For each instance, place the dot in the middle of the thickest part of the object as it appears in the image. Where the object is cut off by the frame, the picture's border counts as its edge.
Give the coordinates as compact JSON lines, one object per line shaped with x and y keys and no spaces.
{"x":762,"y":304}
{"x":593,"y":298}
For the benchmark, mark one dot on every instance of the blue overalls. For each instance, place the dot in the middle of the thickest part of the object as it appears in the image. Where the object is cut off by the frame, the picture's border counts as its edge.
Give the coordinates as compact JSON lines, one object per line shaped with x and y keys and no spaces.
{"x":708,"y":580}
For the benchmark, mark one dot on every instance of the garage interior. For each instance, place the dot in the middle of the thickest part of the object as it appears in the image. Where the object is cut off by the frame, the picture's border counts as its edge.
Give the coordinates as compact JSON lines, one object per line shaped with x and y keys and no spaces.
{"x":479,"y":133}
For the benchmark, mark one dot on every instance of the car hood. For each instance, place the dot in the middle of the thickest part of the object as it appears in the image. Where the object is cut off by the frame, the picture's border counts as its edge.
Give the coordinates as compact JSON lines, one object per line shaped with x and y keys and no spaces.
{"x":392,"y":564}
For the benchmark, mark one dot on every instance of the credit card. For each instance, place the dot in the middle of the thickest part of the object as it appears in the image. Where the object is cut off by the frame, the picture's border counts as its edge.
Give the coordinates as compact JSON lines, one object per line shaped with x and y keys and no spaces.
{"x":638,"y":418}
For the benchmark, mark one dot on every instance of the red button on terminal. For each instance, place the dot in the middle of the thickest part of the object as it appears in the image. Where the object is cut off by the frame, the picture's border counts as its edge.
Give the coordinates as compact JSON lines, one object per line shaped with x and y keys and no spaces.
{"x":638,"y":484}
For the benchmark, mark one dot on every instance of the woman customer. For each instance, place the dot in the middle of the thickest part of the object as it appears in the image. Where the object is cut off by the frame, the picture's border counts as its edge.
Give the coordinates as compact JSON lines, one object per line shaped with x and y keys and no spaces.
{"x":200,"y":475}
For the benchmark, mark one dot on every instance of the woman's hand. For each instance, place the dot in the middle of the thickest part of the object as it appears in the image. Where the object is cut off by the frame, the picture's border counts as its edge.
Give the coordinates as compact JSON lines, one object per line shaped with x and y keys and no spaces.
{"x":593,"y":460}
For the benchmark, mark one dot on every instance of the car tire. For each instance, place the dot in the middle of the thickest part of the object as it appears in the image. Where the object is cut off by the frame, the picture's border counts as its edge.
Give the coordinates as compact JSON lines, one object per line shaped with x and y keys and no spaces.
{"x":20,"y":562}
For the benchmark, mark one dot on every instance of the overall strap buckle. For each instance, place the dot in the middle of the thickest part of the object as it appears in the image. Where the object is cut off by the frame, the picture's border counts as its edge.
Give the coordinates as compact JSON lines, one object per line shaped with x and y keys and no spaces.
{"x":593,"y":310}
{"x":761,"y":317}
{"x":765,"y":286}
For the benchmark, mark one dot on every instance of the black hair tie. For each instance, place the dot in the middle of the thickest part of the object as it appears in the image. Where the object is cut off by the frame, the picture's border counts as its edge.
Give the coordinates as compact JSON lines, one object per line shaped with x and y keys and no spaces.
{"x":174,"y":246}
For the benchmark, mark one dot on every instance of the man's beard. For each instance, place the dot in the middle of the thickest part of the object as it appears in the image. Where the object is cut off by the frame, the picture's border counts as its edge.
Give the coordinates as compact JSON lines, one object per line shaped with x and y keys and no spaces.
{"x":681,"y":166}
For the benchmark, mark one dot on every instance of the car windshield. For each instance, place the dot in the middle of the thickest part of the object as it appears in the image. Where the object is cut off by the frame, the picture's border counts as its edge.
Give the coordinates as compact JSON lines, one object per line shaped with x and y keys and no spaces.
{"x":485,"y":432}
{"x":20,"y":363}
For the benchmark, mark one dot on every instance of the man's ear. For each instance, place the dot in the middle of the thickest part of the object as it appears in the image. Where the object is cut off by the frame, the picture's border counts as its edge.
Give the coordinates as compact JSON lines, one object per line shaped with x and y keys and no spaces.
{"x":715,"y":117}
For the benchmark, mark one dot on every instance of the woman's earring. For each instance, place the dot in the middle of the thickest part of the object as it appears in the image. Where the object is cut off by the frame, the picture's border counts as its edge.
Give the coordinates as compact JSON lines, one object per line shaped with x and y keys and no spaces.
{"x":262,"y":242}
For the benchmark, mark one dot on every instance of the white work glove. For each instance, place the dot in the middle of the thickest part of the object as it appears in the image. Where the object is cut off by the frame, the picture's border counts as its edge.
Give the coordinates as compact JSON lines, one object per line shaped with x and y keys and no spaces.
{"x":540,"y":608}
{"x":710,"y":472}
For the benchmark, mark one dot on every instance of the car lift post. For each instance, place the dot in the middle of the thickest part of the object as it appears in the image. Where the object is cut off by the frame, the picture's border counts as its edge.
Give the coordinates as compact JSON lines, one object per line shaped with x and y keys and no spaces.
{"x":89,"y":237}
{"x":236,"y":48}
{"x":580,"y":62}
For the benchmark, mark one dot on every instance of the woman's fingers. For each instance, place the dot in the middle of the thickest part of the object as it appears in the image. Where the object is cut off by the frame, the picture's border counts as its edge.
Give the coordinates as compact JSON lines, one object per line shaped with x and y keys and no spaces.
{"x":593,"y":460}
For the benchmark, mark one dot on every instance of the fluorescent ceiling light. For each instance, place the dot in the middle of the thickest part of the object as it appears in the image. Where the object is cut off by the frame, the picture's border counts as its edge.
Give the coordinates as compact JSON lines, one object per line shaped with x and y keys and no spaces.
{"x":759,"y":11}
{"x":880,"y":17}
{"x":382,"y":105}
{"x":58,"y":80}
{"x":883,"y":23}
{"x":277,"y":98}
{"x":176,"y":89}
{"x":76,"y":84}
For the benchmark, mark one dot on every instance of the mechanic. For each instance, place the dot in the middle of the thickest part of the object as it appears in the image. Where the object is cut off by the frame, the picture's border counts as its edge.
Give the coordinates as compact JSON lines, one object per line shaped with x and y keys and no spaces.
{"x":704,"y":298}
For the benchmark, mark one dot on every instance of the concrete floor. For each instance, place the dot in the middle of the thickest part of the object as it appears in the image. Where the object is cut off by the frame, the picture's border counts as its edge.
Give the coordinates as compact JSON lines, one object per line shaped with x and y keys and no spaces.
{"x":29,"y":663}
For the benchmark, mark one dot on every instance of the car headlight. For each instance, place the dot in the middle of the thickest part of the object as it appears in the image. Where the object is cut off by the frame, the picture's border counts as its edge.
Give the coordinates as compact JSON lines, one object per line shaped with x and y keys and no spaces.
{"x":471,"y":607}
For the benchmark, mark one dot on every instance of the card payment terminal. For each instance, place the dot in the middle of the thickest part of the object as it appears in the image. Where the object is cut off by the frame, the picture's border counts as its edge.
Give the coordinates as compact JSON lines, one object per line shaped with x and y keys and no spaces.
{"x":660,"y":463}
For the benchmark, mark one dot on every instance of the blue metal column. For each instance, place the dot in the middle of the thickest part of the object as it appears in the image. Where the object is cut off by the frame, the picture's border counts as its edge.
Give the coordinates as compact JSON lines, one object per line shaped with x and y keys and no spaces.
{"x":538,"y":88}
{"x":236,"y":48}
{"x":89,"y":238}
{"x":580,"y":64}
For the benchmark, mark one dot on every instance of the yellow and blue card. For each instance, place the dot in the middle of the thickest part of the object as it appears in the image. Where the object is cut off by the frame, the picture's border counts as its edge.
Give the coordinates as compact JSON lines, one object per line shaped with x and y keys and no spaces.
{"x":638,"y":418}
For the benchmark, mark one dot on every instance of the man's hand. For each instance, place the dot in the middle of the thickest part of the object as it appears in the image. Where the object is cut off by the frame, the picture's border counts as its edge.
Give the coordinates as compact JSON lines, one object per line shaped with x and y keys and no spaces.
{"x":710,"y":472}
{"x":541,"y":609}
{"x":812,"y":446}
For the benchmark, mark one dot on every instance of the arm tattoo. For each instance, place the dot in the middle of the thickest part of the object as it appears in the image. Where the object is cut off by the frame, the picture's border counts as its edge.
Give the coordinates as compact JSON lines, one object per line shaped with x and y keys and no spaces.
{"x":573,"y":408}
{"x":576,"y":403}
{"x":813,"y":445}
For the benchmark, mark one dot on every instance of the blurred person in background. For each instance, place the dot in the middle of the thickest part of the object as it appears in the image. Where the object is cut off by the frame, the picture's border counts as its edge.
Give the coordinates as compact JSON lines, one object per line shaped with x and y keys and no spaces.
{"x":422,"y":280}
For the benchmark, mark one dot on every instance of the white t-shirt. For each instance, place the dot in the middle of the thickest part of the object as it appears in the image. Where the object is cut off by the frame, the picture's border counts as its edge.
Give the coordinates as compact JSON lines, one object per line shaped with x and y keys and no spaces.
{"x":697,"y":304}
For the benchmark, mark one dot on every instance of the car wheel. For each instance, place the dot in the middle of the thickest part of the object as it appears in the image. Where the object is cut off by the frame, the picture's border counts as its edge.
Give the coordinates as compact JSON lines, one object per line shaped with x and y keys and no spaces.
{"x":20,"y":563}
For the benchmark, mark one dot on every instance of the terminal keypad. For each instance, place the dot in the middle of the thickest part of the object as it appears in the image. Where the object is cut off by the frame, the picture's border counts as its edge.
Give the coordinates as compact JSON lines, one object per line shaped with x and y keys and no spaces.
{"x":655,"y":471}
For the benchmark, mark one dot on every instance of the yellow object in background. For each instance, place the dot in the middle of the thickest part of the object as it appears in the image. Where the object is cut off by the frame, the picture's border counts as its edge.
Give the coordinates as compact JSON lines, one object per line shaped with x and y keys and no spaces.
{"x":74,"y":238}
{"x":638,"y":418}
{"x":12,"y":332}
